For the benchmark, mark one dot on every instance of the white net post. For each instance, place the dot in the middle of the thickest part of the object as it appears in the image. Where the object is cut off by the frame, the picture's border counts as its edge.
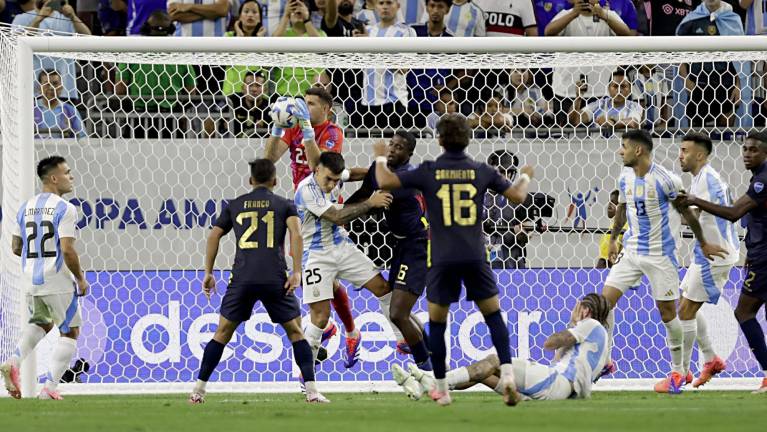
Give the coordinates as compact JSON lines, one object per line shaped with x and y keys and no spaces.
{"x":146,"y":203}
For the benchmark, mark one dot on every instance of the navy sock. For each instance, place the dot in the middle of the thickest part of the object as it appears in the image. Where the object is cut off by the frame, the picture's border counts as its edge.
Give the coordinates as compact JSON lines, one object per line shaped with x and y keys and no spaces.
{"x":438,"y":349}
{"x":421,"y":355}
{"x":755,"y":337}
{"x":210,"y":359}
{"x":302,"y":352}
{"x":499,"y":333}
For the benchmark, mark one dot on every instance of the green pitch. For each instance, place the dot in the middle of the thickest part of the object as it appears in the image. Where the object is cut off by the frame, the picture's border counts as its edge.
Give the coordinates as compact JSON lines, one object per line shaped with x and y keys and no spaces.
{"x":610,"y":412}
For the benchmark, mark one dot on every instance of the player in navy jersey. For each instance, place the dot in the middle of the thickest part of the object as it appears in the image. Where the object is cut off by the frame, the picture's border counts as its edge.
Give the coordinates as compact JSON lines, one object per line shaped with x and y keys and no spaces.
{"x":406,"y":220}
{"x":454,"y":189}
{"x":260,"y":220}
{"x":752,"y":206}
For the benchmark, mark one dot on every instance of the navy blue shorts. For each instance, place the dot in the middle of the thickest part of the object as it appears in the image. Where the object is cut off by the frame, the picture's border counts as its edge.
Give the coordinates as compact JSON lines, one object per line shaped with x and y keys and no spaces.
{"x":238,"y":302}
{"x":408,"y":266}
{"x":443,"y":282}
{"x":755,"y":280}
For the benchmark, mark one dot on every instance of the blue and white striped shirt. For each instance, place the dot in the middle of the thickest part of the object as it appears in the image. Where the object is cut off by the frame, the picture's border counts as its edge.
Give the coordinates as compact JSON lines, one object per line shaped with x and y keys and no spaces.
{"x":203,"y":26}
{"x":272,"y":11}
{"x":756,"y":19}
{"x":653,"y":226}
{"x":583,"y":362}
{"x":708,"y":185}
{"x":311,"y":202}
{"x":382,"y":86}
{"x":41,"y":223}
{"x":465,"y":20}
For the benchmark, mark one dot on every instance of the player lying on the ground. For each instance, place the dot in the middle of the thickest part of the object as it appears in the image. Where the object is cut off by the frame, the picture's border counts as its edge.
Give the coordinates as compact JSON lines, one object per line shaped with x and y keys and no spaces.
{"x":406,"y":220}
{"x":580,"y":356}
{"x":44,"y":238}
{"x":260,"y":220}
{"x":314,"y":126}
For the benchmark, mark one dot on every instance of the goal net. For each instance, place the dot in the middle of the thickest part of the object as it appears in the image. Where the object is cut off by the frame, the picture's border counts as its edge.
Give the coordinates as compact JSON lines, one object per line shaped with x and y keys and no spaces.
{"x":158,"y":132}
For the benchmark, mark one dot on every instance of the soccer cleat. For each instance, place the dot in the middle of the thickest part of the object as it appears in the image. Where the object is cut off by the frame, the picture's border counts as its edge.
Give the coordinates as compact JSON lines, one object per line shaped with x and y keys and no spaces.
{"x":688,"y":378}
{"x":329,"y":332}
{"x":352,"y":353}
{"x":511,"y":396}
{"x":11,"y":376}
{"x":317,"y":398}
{"x":441,"y":398}
{"x":412,"y":388}
{"x":709,"y":370}
{"x":425,"y":378}
{"x":46,"y":394}
{"x":762,"y":389}
{"x":403,"y":348}
{"x":607,"y":370}
{"x":671,"y":384}
{"x":196,"y":398}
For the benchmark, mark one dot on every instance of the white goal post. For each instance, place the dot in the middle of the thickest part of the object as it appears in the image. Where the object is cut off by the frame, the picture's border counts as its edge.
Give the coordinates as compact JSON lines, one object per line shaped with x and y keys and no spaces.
{"x":165,"y":367}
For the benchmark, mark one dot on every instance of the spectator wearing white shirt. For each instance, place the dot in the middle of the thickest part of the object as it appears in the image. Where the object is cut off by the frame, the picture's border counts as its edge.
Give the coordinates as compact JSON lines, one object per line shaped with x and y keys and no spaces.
{"x":509,"y":17}
{"x":465,"y":19}
{"x":526,"y":100}
{"x":579,"y":21}
{"x":384,"y":91}
{"x":370,"y":17}
{"x":48,"y":22}
{"x":615,"y":111}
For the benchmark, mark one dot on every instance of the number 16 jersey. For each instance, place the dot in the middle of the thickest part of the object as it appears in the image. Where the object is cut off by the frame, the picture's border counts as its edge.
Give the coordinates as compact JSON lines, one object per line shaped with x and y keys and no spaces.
{"x":41,"y":223}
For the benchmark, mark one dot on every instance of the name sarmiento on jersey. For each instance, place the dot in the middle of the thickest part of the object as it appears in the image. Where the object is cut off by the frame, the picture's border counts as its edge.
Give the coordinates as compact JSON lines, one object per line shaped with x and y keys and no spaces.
{"x":455,"y":174}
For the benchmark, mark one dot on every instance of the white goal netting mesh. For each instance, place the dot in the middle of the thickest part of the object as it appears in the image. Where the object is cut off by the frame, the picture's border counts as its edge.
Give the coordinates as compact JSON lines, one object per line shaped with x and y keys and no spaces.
{"x":158,"y":142}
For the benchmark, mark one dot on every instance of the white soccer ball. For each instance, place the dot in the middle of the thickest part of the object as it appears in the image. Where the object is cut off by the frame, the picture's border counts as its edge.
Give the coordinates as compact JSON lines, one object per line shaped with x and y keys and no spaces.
{"x":281,"y":115}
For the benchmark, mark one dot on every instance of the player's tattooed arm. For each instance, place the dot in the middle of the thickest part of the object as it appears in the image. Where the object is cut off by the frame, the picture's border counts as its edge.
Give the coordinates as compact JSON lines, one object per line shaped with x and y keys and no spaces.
{"x":709,"y":250}
{"x":560,"y":340}
{"x":739,"y":208}
{"x":16,"y":245}
{"x":349,"y":212}
{"x":618,"y":223}
{"x":275,"y":148}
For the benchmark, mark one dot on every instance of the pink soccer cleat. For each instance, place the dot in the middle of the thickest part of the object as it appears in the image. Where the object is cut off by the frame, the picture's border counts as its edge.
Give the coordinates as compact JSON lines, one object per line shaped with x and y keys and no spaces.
{"x":403,"y":348}
{"x":329,"y":332}
{"x":352,"y":353}
{"x":46,"y":394}
{"x":441,"y":398}
{"x":196,"y":398}
{"x":608,"y":369}
{"x":11,"y":376}
{"x":762,"y":389}
{"x":671,"y":384}
{"x":709,"y":370}
{"x":688,"y":377}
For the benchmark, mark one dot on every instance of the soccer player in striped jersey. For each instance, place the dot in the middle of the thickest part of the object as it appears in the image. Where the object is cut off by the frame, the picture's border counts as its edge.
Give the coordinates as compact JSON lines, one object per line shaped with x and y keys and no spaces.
{"x":580,"y":353}
{"x":315,"y":127}
{"x":465,"y":19}
{"x":647,"y":194}
{"x":704,"y":280}
{"x":44,"y":238}
{"x":753,"y":206}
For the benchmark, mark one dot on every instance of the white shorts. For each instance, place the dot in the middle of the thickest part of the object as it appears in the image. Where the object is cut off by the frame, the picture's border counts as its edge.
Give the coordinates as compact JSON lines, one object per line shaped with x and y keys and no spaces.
{"x":61,"y":310}
{"x":540,"y":382}
{"x":661,"y":271}
{"x":322,"y":267}
{"x":704,"y":283}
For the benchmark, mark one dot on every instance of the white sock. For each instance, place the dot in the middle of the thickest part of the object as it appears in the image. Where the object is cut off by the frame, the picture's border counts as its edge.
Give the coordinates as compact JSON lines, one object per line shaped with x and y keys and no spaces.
{"x":199,"y":386}
{"x":60,"y":359}
{"x":690,"y":332}
{"x":610,"y":329}
{"x":457,"y":376}
{"x":441,"y":385}
{"x":674,"y":337}
{"x":506,"y":370}
{"x":30,"y":337}
{"x":765,"y":373}
{"x":704,"y":341}
{"x":498,"y":389}
{"x":385,"y":303}
{"x":352,"y":334}
{"x":311,"y":387}
{"x":314,"y":337}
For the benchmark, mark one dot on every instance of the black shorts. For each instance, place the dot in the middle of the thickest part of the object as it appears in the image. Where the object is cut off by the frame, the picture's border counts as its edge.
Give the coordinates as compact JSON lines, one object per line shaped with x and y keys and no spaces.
{"x":443,"y":282}
{"x":408,"y":266}
{"x":755,"y":280}
{"x":238,"y":302}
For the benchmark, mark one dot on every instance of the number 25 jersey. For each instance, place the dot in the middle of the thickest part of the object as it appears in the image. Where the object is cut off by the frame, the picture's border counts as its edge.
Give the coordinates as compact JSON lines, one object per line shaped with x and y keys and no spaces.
{"x":41,"y":223}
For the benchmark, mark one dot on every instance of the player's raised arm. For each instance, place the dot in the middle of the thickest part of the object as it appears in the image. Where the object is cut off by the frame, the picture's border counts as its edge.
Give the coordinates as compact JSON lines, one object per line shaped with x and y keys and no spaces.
{"x":517,"y":193}
{"x":296,"y":252}
{"x":275,"y":145}
{"x":386,"y":179}
{"x":301,"y":112}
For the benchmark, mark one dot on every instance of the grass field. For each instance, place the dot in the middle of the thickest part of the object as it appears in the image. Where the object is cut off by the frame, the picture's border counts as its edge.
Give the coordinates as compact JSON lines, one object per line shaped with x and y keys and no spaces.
{"x":606,"y":411}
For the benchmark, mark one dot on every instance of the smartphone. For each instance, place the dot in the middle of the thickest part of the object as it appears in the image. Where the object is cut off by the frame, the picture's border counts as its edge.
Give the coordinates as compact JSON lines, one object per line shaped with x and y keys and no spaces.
{"x":55,"y":5}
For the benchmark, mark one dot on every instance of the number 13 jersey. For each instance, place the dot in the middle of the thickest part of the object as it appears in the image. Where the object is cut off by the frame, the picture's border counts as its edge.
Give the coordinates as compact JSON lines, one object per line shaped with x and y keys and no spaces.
{"x":41,"y":224}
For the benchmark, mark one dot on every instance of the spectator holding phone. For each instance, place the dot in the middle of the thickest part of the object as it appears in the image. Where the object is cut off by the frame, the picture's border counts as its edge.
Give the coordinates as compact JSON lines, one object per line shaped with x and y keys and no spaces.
{"x":54,"y":17}
{"x":342,"y":23}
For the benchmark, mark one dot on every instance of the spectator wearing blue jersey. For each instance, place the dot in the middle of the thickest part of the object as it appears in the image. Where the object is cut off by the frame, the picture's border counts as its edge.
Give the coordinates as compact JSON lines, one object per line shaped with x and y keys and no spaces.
{"x":546,"y":10}
{"x":465,"y":19}
{"x":139,"y":12}
{"x":756,"y":16}
{"x":10,"y":9}
{"x":55,"y":118}
{"x":113,"y":17}
{"x":425,"y":84}
{"x":625,"y":9}
{"x":40,"y":16}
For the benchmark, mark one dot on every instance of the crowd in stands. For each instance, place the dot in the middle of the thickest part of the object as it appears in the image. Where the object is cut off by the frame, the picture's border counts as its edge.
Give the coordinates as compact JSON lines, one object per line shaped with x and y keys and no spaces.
{"x":234,"y":100}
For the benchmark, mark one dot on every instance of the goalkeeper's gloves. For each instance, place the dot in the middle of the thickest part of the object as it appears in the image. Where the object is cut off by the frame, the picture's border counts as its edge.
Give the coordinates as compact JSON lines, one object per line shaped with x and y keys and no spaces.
{"x":301,"y":112}
{"x":276,"y":130}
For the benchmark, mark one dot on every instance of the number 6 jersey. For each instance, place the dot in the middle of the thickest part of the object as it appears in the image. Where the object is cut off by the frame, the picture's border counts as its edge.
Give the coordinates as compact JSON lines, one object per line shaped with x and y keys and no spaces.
{"x":41,"y":224}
